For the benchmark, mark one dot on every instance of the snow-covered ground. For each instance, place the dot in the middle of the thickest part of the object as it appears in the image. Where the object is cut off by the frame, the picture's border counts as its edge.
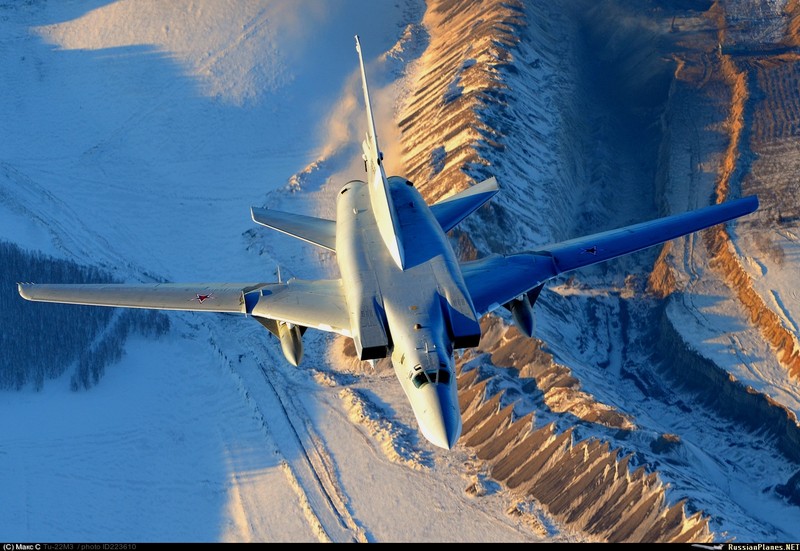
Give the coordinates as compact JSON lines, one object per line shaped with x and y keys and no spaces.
{"x":136,"y":135}
{"x":605,"y":155}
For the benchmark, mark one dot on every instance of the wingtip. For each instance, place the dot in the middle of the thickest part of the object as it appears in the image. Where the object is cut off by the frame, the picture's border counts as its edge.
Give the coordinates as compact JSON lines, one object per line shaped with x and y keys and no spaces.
{"x":253,"y":214}
{"x":22,"y":289}
{"x":748,"y":204}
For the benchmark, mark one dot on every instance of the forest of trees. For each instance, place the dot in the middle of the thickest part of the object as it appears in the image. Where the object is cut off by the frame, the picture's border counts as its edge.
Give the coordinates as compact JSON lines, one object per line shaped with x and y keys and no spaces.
{"x":40,"y":341}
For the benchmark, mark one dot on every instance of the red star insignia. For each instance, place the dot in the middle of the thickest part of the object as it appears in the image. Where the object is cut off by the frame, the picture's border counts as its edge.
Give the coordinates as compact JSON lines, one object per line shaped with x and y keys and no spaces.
{"x":202,"y":298}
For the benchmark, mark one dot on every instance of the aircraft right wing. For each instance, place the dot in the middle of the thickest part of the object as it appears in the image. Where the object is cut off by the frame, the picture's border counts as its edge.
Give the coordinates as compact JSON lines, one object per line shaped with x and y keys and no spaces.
{"x":496,"y":280}
{"x":319,"y":304}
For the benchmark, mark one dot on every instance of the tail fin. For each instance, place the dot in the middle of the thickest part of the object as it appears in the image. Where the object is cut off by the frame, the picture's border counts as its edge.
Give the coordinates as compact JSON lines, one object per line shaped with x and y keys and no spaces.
{"x":370,"y":144}
{"x":380,"y":197}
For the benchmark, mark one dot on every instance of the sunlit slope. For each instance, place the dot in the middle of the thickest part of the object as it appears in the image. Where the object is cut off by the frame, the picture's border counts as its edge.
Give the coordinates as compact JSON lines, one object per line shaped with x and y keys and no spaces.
{"x":587,"y":135}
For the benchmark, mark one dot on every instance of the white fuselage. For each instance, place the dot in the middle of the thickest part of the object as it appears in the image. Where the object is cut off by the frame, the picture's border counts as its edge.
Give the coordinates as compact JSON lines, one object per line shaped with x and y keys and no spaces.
{"x":410,"y":304}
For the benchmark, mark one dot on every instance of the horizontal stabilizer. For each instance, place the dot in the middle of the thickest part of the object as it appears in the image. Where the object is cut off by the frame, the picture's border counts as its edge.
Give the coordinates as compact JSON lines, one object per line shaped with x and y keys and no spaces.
{"x":317,"y":231}
{"x":453,"y":210}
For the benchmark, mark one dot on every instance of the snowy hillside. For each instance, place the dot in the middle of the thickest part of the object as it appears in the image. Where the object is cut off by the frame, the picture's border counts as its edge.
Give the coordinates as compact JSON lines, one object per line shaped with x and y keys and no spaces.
{"x":610,"y":149}
{"x":140,"y":135}
{"x":137,"y":134}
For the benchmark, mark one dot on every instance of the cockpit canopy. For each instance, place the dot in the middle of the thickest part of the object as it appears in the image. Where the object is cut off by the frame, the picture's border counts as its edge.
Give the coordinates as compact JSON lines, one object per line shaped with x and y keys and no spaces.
{"x":422,"y":377}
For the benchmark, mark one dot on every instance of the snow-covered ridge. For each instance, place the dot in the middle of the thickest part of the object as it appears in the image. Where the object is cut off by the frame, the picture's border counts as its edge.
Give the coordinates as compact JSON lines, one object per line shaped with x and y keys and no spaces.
{"x":457,"y":76}
{"x":507,"y":348}
{"x":583,"y":484}
{"x":457,"y":128}
{"x":775,"y":88}
{"x":581,"y":179}
{"x":754,"y":89}
{"x":750,"y":408}
{"x":481,"y":103}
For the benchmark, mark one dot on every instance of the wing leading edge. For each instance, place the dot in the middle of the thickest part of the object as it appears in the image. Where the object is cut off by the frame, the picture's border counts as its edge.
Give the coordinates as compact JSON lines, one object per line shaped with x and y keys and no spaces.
{"x":495,"y":280}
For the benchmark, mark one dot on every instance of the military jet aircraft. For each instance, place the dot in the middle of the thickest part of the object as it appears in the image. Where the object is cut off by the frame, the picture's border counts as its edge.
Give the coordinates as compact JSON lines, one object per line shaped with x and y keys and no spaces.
{"x":402,"y":292}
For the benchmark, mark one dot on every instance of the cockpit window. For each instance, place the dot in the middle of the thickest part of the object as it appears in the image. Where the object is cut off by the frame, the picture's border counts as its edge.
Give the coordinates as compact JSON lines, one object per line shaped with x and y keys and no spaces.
{"x":422,"y":378}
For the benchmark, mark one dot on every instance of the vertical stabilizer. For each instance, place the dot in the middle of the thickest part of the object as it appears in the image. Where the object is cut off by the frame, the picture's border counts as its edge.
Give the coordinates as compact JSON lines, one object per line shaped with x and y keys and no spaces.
{"x":380,"y":198}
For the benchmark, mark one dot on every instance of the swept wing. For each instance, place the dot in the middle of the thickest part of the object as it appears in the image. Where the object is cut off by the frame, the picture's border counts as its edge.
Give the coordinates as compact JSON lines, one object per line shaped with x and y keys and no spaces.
{"x":319,"y":304}
{"x":495,"y":280}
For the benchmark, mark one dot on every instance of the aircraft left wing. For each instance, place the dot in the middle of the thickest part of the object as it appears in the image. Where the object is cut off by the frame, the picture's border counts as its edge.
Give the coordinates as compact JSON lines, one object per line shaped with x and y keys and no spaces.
{"x":207,"y":297}
{"x":319,"y":304}
{"x":495,"y":280}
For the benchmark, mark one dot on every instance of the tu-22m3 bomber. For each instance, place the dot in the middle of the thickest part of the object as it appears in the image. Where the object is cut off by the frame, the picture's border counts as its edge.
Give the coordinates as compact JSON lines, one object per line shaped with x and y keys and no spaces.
{"x":402,"y":293}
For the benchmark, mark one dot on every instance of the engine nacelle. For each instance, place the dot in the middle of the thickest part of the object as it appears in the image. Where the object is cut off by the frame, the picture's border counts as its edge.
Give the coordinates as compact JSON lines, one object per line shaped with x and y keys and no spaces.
{"x":521,"y":309}
{"x":291,"y":338}
{"x":290,"y":335}
{"x":522,"y":312}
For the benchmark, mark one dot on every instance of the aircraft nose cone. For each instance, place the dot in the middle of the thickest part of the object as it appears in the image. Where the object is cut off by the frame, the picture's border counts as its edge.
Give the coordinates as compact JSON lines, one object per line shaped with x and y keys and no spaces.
{"x":439,"y":436}
{"x":442,"y":420}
